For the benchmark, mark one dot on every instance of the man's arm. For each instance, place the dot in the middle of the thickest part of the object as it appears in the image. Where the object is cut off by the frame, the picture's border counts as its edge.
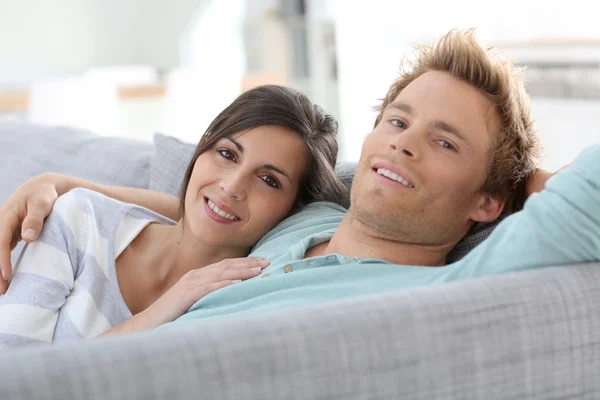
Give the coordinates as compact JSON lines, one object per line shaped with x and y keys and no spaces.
{"x":559,"y":225}
{"x":162,"y":203}
{"x":23,"y":214}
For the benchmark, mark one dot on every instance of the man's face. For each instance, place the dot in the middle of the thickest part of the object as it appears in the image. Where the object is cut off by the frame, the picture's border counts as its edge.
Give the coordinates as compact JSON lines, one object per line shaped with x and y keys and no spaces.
{"x":421,"y":168}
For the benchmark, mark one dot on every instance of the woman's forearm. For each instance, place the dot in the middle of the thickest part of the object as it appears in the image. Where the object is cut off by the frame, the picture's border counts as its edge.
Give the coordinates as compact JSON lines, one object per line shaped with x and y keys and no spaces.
{"x":138,"y":323}
{"x":161,"y":203}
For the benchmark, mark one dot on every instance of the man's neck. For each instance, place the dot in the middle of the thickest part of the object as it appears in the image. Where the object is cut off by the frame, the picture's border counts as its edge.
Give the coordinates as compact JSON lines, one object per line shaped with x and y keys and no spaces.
{"x":355,"y":239}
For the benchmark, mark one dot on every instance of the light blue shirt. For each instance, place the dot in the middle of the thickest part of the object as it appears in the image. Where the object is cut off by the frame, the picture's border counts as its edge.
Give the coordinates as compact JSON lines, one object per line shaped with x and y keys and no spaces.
{"x":560,"y":225}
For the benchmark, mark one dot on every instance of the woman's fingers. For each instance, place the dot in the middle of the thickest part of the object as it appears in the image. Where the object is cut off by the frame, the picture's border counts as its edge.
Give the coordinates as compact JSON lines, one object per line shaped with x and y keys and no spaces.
{"x":233,"y":268}
{"x":238,"y":274}
{"x":236,"y":263}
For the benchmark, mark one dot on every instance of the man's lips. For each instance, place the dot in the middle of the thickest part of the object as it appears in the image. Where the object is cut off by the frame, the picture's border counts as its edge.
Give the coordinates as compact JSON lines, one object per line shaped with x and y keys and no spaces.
{"x":393,"y":172}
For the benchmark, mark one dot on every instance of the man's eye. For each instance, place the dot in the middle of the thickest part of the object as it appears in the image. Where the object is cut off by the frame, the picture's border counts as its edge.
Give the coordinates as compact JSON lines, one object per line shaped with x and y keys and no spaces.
{"x":398,"y":123}
{"x":271,"y":181}
{"x":228,"y":154}
{"x":447,"y":145}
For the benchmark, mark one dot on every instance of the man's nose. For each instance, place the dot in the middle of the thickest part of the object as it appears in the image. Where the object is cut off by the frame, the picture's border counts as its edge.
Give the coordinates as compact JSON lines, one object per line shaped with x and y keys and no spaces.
{"x":408,"y":142}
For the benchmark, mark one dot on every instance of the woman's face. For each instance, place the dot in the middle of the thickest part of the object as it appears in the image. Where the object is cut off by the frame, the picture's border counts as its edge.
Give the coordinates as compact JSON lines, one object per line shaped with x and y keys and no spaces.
{"x":244,"y":185}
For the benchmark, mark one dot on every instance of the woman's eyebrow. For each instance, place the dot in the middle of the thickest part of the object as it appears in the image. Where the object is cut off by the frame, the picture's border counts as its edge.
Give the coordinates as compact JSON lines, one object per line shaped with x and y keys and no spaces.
{"x":239,"y":146}
{"x":236,"y":144}
{"x":278,"y":170}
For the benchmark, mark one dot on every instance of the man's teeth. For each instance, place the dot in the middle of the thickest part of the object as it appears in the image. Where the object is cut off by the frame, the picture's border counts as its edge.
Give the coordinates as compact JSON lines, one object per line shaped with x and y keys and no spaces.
{"x":220,"y":212}
{"x":394,"y":176}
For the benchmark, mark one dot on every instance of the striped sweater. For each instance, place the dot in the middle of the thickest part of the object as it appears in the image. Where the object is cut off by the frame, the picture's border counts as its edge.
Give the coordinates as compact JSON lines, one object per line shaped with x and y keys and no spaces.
{"x":65,"y":285}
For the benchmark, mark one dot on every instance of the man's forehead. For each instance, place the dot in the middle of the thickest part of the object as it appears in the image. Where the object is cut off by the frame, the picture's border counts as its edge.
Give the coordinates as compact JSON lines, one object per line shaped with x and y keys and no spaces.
{"x":446,"y":99}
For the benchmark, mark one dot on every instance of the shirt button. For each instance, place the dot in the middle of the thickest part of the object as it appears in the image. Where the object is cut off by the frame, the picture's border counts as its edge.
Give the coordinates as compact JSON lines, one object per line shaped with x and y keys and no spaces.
{"x":265,"y":275}
{"x":288,"y":268}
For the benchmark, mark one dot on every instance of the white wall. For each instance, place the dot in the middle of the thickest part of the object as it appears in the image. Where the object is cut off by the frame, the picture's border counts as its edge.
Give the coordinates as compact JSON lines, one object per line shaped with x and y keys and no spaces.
{"x":60,"y":37}
{"x":373,"y":37}
{"x":565,"y":127}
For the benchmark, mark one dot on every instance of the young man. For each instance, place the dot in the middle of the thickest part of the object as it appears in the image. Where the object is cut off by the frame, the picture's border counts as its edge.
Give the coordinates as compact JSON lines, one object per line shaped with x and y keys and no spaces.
{"x":452,"y":145}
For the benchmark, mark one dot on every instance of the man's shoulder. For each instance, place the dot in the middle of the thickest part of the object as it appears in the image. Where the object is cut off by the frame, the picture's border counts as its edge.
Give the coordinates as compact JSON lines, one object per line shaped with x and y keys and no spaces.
{"x":314,"y":218}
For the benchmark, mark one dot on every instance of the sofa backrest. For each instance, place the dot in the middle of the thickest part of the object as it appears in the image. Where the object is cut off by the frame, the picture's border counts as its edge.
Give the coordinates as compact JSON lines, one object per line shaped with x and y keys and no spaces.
{"x":27,"y":150}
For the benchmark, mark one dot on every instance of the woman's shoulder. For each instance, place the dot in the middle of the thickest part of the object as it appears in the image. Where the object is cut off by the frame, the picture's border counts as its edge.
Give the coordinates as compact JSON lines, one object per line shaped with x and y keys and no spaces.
{"x":87,"y":202}
{"x":99,"y":209}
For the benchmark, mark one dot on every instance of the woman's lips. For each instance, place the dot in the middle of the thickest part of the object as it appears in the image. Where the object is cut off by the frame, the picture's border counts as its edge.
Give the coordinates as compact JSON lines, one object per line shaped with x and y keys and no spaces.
{"x":214,"y":215}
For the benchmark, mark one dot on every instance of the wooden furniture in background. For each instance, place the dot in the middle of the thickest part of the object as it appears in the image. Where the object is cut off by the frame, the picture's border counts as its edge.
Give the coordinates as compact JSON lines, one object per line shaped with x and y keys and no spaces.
{"x":17,"y":101}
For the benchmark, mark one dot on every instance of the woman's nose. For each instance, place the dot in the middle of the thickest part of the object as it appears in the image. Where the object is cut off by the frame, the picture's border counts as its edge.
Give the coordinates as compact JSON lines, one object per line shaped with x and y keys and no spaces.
{"x":233,"y":186}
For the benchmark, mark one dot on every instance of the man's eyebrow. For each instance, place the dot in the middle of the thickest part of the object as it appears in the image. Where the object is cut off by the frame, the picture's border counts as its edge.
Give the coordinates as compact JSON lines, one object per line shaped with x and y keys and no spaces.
{"x":236,"y":144}
{"x":437,"y":124}
{"x":444,"y":126}
{"x":401,"y":106}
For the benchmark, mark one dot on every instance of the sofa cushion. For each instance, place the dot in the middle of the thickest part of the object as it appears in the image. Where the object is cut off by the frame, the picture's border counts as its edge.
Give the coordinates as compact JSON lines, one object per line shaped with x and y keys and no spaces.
{"x":169,"y":163}
{"x":172,"y":157}
{"x":523,"y":335}
{"x":27,"y":150}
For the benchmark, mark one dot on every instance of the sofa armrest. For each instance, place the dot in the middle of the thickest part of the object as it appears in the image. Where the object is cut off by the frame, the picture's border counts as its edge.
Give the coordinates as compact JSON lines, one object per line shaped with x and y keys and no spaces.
{"x":533,"y":334}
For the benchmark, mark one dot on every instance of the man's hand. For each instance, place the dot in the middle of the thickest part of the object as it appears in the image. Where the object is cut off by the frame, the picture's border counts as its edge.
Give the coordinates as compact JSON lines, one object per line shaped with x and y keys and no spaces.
{"x":23,"y":214}
{"x":537,"y":181}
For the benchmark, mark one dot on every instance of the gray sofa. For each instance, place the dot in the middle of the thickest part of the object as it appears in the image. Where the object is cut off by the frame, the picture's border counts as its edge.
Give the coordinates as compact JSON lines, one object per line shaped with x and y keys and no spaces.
{"x":529,"y":335}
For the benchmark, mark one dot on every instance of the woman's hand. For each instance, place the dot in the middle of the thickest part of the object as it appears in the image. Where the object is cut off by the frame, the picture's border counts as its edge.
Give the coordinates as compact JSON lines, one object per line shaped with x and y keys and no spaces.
{"x":193,"y":286}
{"x":23,"y":214}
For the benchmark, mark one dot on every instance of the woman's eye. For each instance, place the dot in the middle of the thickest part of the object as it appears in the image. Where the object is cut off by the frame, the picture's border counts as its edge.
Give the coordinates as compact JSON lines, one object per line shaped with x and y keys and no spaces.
{"x":398,"y":123}
{"x":446,"y":145}
{"x":271,"y":181}
{"x":228,"y":154}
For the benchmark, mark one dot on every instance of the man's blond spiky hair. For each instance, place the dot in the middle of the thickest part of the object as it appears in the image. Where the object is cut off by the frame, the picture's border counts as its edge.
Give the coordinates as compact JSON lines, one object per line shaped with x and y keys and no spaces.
{"x":515,"y":150}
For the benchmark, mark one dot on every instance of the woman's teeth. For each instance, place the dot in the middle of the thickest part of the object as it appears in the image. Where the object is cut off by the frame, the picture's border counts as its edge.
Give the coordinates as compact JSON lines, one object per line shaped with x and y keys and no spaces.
{"x":220,"y":212}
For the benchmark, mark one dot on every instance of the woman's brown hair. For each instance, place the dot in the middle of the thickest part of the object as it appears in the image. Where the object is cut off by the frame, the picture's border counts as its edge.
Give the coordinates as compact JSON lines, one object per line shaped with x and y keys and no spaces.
{"x":290,"y":109}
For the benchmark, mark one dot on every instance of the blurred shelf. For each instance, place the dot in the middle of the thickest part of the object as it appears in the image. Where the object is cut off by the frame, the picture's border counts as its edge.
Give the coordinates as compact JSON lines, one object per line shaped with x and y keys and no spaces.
{"x":138,"y":92}
{"x":17,"y":101}
{"x":14,"y":101}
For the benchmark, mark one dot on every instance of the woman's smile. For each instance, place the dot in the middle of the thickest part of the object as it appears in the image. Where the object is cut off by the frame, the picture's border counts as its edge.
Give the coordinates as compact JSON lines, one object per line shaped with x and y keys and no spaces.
{"x":219,"y":212}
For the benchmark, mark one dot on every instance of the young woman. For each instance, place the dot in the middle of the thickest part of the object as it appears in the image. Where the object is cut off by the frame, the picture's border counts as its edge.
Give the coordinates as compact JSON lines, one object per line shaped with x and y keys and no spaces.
{"x":103,"y":266}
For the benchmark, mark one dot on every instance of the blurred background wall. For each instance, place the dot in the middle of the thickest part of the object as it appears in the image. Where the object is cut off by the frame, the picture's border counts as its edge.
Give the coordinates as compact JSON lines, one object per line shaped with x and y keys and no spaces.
{"x":135,"y":67}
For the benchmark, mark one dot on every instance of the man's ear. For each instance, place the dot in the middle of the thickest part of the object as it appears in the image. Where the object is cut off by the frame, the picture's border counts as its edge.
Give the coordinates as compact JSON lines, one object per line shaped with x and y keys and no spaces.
{"x":488,"y":208}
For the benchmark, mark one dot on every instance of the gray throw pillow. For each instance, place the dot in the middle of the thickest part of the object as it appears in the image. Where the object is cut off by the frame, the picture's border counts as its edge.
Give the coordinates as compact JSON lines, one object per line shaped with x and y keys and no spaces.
{"x":169,"y":163}
{"x":172,"y":157}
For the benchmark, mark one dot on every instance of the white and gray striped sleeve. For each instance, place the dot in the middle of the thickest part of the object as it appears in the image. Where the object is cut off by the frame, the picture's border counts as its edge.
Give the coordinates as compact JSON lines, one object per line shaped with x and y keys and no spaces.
{"x":43,"y":278}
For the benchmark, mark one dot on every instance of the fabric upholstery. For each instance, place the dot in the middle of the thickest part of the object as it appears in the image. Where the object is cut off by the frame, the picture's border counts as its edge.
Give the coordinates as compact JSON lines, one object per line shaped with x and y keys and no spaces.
{"x":527,"y":335}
